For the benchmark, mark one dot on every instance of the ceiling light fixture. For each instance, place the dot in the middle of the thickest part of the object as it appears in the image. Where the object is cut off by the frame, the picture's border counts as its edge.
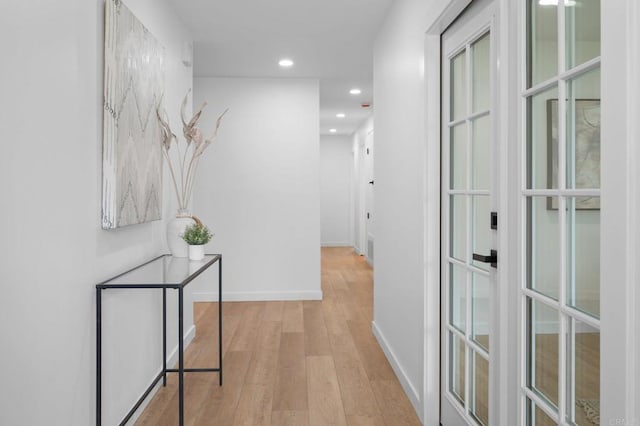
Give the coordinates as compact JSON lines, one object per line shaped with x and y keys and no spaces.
{"x":285,"y":63}
{"x":340,"y":115}
{"x":332,"y":130}
{"x":555,"y":2}
{"x":355,"y":91}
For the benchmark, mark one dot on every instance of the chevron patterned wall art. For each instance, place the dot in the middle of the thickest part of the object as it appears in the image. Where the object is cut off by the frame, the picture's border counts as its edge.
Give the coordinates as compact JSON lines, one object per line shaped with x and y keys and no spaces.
{"x":133,"y":89}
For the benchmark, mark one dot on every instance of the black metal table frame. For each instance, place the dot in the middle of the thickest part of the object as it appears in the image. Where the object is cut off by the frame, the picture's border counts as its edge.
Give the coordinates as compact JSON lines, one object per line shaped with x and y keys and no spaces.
{"x":163,"y":374}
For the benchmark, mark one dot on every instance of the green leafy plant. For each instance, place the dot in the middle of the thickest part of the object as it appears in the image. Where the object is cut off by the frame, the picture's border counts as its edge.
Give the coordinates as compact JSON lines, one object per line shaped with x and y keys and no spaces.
{"x":197,"y":234}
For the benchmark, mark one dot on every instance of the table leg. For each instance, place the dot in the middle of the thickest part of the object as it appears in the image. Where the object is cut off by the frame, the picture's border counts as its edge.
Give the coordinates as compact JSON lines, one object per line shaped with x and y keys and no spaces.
{"x":98,"y":357}
{"x":220,"y":317}
{"x":180,"y":359}
{"x":164,"y":337}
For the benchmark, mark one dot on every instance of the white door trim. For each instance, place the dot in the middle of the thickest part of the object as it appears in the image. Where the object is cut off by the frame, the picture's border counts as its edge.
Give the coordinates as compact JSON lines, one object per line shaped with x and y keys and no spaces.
{"x":620,"y":233}
{"x":432,"y":57}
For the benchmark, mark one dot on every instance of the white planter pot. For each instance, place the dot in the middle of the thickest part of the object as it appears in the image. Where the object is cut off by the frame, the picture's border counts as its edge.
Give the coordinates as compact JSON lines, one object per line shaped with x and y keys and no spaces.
{"x":175,"y":229}
{"x":196,"y":252}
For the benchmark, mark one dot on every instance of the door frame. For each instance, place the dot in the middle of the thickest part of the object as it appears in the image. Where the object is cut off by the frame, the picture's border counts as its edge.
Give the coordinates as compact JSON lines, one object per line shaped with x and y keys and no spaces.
{"x":507,"y":98}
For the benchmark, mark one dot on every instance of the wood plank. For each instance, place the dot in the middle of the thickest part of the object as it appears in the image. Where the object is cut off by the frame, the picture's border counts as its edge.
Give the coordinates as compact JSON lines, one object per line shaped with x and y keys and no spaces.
{"x":394,"y":404}
{"x":244,"y":338}
{"x":291,"y":379}
{"x":268,"y":338}
{"x":274,"y":311}
{"x":254,"y":407}
{"x":373,"y":359}
{"x":291,"y":349}
{"x":357,"y":396}
{"x":316,"y":339}
{"x":221,"y":401}
{"x":263,"y":369}
{"x":290,"y":418}
{"x":325,"y":405}
{"x":333,"y":318}
{"x":292,"y":317}
{"x":365,"y":421}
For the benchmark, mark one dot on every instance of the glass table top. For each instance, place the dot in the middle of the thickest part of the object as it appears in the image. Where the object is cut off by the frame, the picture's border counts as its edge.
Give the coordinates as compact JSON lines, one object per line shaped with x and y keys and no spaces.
{"x":163,"y":271}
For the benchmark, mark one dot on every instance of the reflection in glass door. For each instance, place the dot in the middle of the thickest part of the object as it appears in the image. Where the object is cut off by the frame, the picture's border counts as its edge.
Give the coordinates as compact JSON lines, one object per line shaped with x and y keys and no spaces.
{"x":561,"y":201}
{"x":467,"y":202}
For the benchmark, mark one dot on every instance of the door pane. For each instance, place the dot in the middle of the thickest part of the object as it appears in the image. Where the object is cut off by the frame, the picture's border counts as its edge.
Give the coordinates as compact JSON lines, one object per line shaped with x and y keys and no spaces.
{"x":537,"y":417}
{"x":459,"y":156}
{"x":543,"y":328}
{"x":480,"y":222}
{"x":481,"y":54}
{"x":542,"y":140}
{"x":458,"y":226}
{"x":457,"y":361}
{"x":481,"y":149}
{"x":583,"y":254}
{"x":543,"y":245}
{"x":457,"y":297}
{"x":480,"y":390}
{"x":542,"y":41}
{"x":458,"y":86}
{"x":582,"y":19}
{"x":583,"y":131}
{"x":586,"y":360}
{"x":480,"y":310}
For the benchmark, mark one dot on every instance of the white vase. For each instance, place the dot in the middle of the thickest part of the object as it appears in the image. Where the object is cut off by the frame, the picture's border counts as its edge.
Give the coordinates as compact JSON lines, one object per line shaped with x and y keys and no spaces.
{"x":196,"y":252}
{"x":175,"y":229}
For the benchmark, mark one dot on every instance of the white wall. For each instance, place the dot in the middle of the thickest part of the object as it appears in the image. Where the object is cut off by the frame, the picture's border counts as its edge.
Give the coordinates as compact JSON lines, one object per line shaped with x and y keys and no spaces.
{"x":336,"y":168}
{"x":399,"y":117}
{"x":53,"y":250}
{"x":258,"y":186}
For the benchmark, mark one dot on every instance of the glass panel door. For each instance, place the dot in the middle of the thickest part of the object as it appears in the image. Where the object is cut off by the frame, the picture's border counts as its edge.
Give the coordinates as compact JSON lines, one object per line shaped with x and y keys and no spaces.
{"x":467,"y":199}
{"x":561,"y":201}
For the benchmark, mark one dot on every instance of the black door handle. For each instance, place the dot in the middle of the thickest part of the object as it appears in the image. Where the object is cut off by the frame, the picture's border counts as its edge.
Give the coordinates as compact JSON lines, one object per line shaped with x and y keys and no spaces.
{"x":492,"y":258}
{"x":371,"y":182}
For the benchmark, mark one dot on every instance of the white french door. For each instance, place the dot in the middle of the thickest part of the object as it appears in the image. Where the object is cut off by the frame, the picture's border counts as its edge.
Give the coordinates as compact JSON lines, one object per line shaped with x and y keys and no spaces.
{"x":560,"y":201}
{"x":550,"y":289}
{"x":469,"y":233}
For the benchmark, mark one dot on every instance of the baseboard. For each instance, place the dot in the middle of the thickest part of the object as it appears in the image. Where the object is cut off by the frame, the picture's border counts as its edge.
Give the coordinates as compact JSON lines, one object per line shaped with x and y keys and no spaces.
{"x":409,"y":389}
{"x":335,"y":244}
{"x":250,"y":296}
{"x":172,"y":359}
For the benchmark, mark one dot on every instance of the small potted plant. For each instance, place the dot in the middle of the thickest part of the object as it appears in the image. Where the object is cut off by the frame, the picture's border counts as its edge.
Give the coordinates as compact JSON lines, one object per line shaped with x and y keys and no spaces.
{"x":196,"y":235}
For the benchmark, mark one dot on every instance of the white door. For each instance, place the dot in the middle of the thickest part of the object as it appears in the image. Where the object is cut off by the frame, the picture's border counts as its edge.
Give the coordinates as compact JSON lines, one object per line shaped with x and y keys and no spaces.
{"x":369,"y":191}
{"x":560,"y":198}
{"x":469,"y":234}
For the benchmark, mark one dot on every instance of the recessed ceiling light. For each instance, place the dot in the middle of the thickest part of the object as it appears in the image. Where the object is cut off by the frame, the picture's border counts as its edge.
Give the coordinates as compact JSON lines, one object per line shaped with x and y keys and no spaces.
{"x":285,"y":63}
{"x":355,"y":91}
{"x":332,"y":130}
{"x":340,"y":115}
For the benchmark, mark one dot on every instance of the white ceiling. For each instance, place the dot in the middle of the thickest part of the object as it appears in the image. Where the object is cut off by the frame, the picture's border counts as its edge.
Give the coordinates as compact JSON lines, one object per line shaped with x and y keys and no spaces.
{"x":327,"y":39}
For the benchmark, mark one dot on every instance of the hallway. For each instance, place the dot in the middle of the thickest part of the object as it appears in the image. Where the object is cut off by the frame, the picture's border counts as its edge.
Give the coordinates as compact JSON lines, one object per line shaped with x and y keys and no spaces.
{"x":292,"y":363}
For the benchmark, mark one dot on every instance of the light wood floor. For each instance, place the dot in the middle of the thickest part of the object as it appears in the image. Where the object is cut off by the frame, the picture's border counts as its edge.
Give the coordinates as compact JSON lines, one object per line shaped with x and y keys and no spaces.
{"x":292,"y":363}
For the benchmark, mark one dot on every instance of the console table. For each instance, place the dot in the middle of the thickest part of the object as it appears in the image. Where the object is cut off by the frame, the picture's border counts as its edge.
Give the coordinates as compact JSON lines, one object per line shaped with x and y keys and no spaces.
{"x":164,"y":272}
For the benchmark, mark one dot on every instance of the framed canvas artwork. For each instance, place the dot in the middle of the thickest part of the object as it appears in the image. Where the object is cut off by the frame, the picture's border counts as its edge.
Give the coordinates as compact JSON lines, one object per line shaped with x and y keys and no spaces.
{"x":133,"y":89}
